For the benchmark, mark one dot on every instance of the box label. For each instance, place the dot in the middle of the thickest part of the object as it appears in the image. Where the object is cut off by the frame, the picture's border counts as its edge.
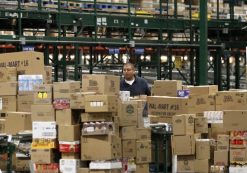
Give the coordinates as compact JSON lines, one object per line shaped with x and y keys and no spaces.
{"x":44,"y":130}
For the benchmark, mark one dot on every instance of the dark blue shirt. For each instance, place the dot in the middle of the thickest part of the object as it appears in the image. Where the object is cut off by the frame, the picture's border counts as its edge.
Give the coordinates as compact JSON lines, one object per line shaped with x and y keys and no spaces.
{"x":139,"y":87}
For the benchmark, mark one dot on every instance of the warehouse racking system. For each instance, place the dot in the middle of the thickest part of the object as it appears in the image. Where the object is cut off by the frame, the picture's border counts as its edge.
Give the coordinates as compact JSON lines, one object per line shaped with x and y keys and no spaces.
{"x":103,"y":32}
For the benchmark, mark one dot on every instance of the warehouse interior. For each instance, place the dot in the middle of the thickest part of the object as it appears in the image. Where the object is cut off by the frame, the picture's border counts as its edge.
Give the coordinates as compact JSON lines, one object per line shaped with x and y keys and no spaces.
{"x":192,"y":53}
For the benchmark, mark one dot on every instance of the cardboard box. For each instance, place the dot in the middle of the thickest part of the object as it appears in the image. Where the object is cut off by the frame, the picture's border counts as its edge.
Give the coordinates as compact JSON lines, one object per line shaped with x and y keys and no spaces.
{"x":142,"y":168}
{"x":202,"y":166}
{"x":8,"y":88}
{"x":67,"y":117}
{"x":101,"y":147}
{"x":25,"y":62}
{"x":129,"y":148}
{"x":215,"y":129}
{"x":106,"y":171}
{"x":202,"y":90}
{"x":77,"y":100}
{"x":201,"y":125}
{"x":200,"y":103}
{"x":83,"y":170}
{"x":69,"y":165}
{"x":221,"y":157}
{"x":60,"y":95}
{"x":203,"y":149}
{"x":8,"y":74}
{"x":187,"y":147}
{"x":166,"y":87}
{"x":167,"y":106}
{"x":8,"y":104}
{"x":17,"y":121}
{"x":69,"y":147}
{"x":22,"y":164}
{"x":69,"y":132}
{"x":185,"y":164}
{"x":2,"y":125}
{"x":44,"y":130}
{"x":235,"y":120}
{"x":128,"y":132}
{"x":238,"y":155}
{"x":97,"y":116}
{"x":44,"y":156}
{"x":43,"y":113}
{"x":231,"y":100}
{"x":223,"y":142}
{"x":43,"y":94}
{"x":24,"y":103}
{"x":127,"y":112}
{"x":101,"y":103}
{"x":26,"y":83}
{"x":47,"y":168}
{"x":70,"y":155}
{"x":61,"y":103}
{"x":143,"y":134}
{"x":101,"y":84}
{"x":143,"y":151}
{"x":47,"y":74}
{"x":66,"y":87}
{"x":183,"y":124}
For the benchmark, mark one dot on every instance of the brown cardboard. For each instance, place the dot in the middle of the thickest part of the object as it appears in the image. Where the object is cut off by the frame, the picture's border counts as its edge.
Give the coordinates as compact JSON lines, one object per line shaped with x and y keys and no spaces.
{"x":70,"y":155}
{"x":203,"y":149}
{"x":223,"y":142}
{"x":24,"y":103}
{"x":238,"y":155}
{"x":44,"y":156}
{"x":105,"y":147}
{"x":8,"y":104}
{"x":166,"y":87}
{"x":140,"y":120}
{"x":101,"y":103}
{"x":142,"y":168}
{"x":17,"y":121}
{"x":47,"y":74}
{"x":143,"y":134}
{"x":231,"y":100}
{"x":43,"y":94}
{"x":202,"y":166}
{"x":201,"y":125}
{"x":128,"y":132}
{"x":185,"y":164}
{"x":66,"y":87}
{"x":167,"y":106}
{"x":127,"y":112}
{"x":187,"y":147}
{"x":69,"y":133}
{"x":77,"y":100}
{"x":235,"y":120}
{"x":200,"y":103}
{"x":67,"y":117}
{"x":22,"y":164}
{"x":216,"y":129}
{"x":221,"y":157}
{"x":183,"y":124}
{"x":8,"y":88}
{"x":202,"y":90}
{"x":129,"y":148}
{"x":83,"y":170}
{"x":60,"y":95}
{"x":8,"y":74}
{"x":25,"y":62}
{"x":101,"y":84}
{"x":143,"y":151}
{"x":106,"y":171}
{"x":43,"y":113}
{"x":2,"y":125}
{"x":98,"y":116}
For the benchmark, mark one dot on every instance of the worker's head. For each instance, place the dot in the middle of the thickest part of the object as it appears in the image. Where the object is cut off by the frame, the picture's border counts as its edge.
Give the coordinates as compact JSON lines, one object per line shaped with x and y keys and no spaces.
{"x":129,"y":71}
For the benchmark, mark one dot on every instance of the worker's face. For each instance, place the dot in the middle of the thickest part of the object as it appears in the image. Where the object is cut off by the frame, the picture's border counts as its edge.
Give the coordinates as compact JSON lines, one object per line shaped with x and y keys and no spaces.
{"x":129,"y":72}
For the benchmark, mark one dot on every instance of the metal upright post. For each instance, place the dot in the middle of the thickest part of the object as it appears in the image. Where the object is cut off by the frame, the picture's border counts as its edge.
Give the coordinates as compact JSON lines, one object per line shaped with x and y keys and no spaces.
{"x":76,"y":64}
{"x":237,"y":70}
{"x":203,"y":58}
{"x":91,"y":61}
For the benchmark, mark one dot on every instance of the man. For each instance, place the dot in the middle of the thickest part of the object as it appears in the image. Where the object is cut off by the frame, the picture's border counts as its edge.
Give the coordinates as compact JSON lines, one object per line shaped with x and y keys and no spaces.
{"x":136,"y":85}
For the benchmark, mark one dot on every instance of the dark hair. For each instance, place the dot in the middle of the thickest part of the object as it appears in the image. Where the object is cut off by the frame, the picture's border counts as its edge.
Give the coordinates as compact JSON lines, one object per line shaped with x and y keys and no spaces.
{"x":130,"y":64}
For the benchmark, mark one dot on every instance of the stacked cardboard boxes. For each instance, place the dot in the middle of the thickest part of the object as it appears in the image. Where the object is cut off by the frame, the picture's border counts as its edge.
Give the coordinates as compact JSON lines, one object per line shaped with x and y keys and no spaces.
{"x":100,"y":139}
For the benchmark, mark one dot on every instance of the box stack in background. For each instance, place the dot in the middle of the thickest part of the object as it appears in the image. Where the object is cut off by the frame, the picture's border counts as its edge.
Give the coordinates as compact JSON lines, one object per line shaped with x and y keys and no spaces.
{"x":100,"y":141}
